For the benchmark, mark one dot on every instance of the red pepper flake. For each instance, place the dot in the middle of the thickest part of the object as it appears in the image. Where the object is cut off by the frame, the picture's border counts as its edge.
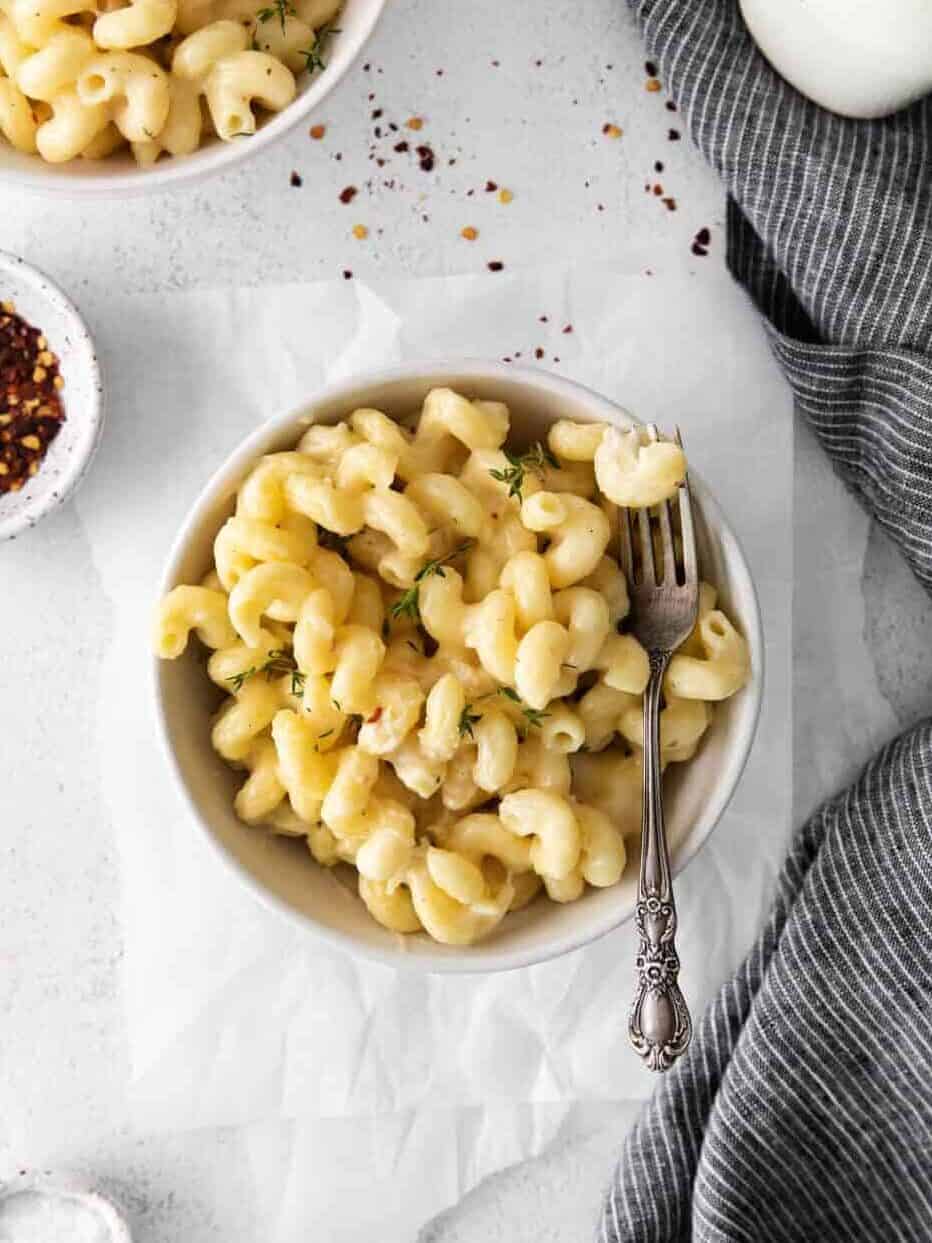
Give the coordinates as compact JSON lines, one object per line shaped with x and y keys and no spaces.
{"x":376,"y":113}
{"x":414,"y":123}
{"x":402,"y":147}
{"x":348,"y":194}
{"x":652,"y":85}
{"x":317,"y":131}
{"x":669,"y":203}
{"x":670,"y":106}
{"x":658,"y":189}
{"x":567,"y":330}
{"x":538,"y":353}
{"x":544,"y":319}
{"x":673,"y":135}
{"x":31,"y":412}
{"x":347,"y":274}
{"x":425,"y":158}
{"x":495,"y":265}
{"x":491,"y":187}
{"x":371,"y":720}
{"x":658,"y":166}
{"x":701,"y":242}
{"x":296,"y":179}
{"x":650,"y":69}
{"x":611,"y":131}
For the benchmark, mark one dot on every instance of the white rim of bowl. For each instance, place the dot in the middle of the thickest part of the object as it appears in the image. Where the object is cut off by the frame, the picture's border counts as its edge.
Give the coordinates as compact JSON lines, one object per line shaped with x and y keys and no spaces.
{"x":474,"y":960}
{"x":210,"y":159}
{"x":29,"y":515}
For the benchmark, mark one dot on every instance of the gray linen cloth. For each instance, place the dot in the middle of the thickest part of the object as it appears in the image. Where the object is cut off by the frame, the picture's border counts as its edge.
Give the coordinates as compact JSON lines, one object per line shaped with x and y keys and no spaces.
{"x":803,"y":1109}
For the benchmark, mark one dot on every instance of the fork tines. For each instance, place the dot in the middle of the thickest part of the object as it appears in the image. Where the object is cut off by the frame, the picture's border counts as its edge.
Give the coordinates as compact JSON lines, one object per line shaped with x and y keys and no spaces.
{"x":642,"y":568}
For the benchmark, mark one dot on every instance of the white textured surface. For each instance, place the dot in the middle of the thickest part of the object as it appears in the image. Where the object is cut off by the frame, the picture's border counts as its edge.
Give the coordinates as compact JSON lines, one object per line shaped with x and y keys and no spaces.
{"x":63,"y":1055}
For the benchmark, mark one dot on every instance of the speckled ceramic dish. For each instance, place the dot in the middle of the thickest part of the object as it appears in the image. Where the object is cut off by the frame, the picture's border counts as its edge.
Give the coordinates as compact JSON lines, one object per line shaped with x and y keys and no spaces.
{"x":42,"y":304}
{"x":58,"y":1206}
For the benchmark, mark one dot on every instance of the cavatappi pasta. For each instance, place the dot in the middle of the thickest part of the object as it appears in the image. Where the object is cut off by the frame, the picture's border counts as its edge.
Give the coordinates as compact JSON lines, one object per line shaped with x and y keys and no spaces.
{"x":420,"y":638}
{"x":90,"y":77}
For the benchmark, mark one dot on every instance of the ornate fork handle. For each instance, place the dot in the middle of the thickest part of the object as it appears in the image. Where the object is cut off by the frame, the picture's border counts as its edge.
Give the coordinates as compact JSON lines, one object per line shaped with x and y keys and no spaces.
{"x":658,"y":1024}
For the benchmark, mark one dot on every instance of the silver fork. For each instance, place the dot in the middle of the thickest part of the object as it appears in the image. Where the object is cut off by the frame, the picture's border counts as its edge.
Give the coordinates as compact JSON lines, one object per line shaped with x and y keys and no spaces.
{"x":663,"y":612}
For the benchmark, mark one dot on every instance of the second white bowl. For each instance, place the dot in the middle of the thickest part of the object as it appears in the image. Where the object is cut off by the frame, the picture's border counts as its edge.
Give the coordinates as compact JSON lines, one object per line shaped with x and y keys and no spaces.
{"x":281,"y":871}
{"x":120,"y":175}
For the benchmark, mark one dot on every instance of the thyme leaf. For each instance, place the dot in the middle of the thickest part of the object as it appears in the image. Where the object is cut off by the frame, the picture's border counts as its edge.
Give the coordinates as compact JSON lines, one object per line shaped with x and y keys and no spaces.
{"x":536,"y":460}
{"x":408,"y":604}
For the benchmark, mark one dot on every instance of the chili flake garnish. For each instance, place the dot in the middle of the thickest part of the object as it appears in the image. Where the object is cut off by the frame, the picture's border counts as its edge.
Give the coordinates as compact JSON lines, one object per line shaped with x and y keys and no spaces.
{"x":31,"y":412}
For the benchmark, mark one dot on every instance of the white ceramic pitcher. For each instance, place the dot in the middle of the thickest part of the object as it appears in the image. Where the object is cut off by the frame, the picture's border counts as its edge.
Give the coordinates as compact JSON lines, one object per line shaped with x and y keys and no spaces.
{"x":861,"y":58}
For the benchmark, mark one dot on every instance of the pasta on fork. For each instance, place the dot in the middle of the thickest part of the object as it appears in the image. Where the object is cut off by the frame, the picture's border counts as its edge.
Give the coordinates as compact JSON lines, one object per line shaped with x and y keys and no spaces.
{"x":419,"y":631}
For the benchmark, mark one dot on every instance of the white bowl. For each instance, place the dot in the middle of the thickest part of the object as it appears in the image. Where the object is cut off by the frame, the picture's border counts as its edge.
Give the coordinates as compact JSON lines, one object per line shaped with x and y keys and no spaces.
{"x":281,"y":871}
{"x":42,"y":304}
{"x":120,"y":175}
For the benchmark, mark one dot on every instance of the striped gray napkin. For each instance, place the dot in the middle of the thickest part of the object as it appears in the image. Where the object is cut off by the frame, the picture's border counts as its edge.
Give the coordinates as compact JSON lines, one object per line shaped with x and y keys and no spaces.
{"x":803,"y":1110}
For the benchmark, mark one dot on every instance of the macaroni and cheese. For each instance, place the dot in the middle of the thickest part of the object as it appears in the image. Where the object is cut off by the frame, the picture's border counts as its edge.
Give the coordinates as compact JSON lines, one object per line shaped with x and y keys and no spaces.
{"x":82,"y":78}
{"x":419,"y":633}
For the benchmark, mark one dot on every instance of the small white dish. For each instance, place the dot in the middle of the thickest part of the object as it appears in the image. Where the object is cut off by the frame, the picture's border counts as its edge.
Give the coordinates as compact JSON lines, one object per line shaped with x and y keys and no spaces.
{"x":281,"y":871}
{"x":54,"y":1207}
{"x":120,"y":175}
{"x":43,"y":305}
{"x":859,"y":58}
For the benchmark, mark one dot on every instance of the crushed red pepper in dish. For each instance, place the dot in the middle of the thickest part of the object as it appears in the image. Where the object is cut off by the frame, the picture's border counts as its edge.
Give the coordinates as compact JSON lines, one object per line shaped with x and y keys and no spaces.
{"x":31,"y":411}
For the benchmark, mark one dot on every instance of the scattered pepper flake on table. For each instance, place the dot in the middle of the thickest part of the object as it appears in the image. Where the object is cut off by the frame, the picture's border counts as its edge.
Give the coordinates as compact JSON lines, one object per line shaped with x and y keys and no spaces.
{"x":658,"y":166}
{"x":495,"y":265}
{"x":360,"y":231}
{"x":670,"y":106}
{"x":505,"y":196}
{"x":317,"y":131}
{"x":611,"y":130}
{"x":650,"y":68}
{"x":348,"y":194}
{"x":426,"y":158}
{"x":469,"y":233}
{"x":673,"y":135}
{"x":700,"y":245}
{"x":347,"y":274}
{"x":414,"y":123}
{"x":31,"y":411}
{"x":491,"y":187}
{"x":296,"y":178}
{"x":652,"y":85}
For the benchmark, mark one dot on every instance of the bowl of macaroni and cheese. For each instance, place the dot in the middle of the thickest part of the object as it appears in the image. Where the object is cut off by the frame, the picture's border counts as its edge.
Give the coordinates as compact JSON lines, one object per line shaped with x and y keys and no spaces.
{"x":394,"y":677}
{"x":114,"y":98}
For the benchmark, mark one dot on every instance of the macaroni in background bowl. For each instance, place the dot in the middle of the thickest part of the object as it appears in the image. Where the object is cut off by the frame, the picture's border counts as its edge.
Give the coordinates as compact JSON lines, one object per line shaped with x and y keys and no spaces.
{"x":282,"y":871}
{"x":119,"y":174}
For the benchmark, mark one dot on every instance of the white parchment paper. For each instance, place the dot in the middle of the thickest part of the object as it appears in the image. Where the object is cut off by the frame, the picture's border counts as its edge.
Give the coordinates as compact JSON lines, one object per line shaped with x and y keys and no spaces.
{"x":232,"y":1015}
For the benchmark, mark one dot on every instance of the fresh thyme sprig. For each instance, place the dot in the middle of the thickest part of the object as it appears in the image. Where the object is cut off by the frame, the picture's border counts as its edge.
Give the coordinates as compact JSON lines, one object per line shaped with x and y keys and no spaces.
{"x":467,"y":721}
{"x":537,"y":458}
{"x":408,"y":604}
{"x":533,"y":716}
{"x":280,"y":9}
{"x":279,"y":662}
{"x":314,"y":55}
